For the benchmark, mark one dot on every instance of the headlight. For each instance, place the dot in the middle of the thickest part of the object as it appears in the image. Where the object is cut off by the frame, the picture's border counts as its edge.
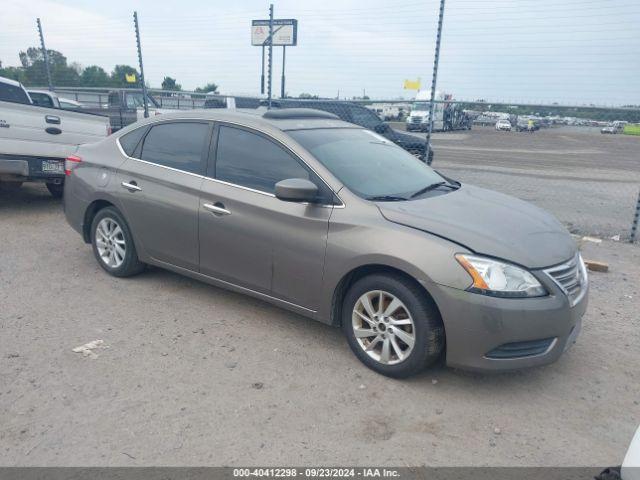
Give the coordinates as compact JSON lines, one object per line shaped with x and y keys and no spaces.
{"x":499,"y":279}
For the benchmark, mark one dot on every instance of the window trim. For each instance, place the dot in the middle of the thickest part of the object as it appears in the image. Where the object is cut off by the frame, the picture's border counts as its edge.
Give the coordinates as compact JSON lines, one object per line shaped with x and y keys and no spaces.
{"x":214,"y":141}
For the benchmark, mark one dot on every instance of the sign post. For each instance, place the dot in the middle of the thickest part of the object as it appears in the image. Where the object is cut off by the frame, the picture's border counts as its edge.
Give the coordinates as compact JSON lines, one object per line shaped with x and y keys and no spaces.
{"x":280,"y":32}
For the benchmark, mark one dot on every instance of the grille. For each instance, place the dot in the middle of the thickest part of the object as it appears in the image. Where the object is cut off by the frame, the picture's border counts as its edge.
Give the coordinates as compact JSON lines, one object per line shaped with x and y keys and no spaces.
{"x":416,"y":119}
{"x":571,"y":277}
{"x":521,"y":349}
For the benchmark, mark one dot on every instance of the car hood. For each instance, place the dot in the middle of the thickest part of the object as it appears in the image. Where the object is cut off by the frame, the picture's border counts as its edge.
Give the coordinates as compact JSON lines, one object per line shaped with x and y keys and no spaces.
{"x":488,"y":223}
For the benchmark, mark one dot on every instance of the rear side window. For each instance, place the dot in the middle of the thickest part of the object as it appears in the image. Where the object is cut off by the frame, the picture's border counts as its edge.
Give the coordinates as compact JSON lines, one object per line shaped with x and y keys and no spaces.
{"x":130,"y":141}
{"x":177,"y":145}
{"x":11,"y":93}
{"x":250,"y":160}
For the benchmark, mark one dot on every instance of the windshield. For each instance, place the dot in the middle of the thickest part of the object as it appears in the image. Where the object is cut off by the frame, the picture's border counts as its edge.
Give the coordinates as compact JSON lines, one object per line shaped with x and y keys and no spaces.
{"x":422,"y":106}
{"x":366,"y":163}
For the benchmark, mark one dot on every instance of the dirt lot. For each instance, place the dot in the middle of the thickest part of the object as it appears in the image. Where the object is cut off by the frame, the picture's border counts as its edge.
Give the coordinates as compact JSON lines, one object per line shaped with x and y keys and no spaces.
{"x":195,"y":375}
{"x":588,"y":180}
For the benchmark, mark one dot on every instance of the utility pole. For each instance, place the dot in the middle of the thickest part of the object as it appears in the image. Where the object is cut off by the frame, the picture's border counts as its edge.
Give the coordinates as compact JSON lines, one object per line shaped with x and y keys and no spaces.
{"x":270,"y":66}
{"x":45,"y":54}
{"x":262,"y":73}
{"x":436,"y":59}
{"x":144,"y":85}
{"x":284,"y":56}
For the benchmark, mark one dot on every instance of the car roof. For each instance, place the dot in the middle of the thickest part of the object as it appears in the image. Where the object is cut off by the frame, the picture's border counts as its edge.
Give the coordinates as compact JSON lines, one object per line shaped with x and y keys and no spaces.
{"x":295,"y":119}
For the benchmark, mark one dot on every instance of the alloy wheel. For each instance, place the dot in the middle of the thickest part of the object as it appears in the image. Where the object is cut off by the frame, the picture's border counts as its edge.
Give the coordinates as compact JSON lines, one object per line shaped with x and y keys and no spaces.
{"x":110,"y":242}
{"x":383,"y":327}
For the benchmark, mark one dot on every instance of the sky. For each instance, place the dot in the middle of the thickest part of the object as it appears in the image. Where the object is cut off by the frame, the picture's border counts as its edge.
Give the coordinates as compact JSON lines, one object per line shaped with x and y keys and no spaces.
{"x":571,"y":52}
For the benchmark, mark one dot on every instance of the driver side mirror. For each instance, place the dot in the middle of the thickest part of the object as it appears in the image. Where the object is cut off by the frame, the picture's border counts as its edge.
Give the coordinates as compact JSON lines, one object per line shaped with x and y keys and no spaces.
{"x":296,"y":190}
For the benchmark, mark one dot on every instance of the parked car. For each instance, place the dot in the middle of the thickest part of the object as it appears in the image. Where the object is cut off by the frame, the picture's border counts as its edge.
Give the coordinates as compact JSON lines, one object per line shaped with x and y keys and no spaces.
{"x":35,"y":140}
{"x":527,"y":125}
{"x":609,"y":129}
{"x":630,"y":468}
{"x":503,"y":125}
{"x":354,"y":113}
{"x":335,"y":222}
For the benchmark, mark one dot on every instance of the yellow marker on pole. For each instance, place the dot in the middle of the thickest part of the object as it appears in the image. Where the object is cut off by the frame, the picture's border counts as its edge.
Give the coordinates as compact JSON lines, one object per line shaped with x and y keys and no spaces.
{"x":412,"y":84}
{"x":130,"y":77}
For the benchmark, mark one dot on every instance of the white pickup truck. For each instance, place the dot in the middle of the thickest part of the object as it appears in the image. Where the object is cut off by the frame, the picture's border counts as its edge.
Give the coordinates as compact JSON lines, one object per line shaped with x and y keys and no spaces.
{"x":34,"y":140}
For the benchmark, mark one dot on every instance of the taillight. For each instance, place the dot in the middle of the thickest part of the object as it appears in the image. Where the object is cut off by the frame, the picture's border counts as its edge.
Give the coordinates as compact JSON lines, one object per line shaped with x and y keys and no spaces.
{"x":70,"y":163}
{"x":109,"y":130}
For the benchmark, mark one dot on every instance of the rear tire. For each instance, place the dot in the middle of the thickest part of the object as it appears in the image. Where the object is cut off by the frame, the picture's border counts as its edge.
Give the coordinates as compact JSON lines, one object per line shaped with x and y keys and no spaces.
{"x":56,"y":189}
{"x":412,"y":330}
{"x":113,"y":245}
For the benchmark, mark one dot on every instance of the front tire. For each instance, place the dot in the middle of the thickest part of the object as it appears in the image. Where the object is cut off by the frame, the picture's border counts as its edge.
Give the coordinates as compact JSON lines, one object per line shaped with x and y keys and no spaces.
{"x":113,"y":244}
{"x":391,"y":325}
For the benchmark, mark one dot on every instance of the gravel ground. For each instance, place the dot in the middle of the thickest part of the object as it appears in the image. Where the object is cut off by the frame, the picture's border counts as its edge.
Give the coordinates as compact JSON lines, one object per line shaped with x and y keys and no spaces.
{"x":190,"y":374}
{"x":588,"y":180}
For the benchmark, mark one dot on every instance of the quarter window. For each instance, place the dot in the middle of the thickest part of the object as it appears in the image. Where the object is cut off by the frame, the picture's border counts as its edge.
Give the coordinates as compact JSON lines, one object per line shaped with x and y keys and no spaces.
{"x":130,"y":141}
{"x":250,"y":160}
{"x":176,"y":145}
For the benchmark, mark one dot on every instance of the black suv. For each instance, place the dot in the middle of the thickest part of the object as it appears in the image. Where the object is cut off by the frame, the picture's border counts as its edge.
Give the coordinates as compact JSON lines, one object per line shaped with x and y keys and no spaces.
{"x":354,"y":113}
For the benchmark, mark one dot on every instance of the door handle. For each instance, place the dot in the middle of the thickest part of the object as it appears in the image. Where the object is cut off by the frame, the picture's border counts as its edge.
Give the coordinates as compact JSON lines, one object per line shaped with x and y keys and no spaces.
{"x":132,"y":186}
{"x":52,"y":119}
{"x":217,"y":209}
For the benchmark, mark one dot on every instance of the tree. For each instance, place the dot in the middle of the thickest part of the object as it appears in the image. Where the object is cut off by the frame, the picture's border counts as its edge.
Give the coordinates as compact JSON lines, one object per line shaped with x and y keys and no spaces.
{"x":35,"y":71}
{"x":14,"y":73}
{"x":170,"y":84}
{"x":119,"y":76}
{"x":307,"y":95}
{"x":94,"y":76}
{"x":209,"y":87}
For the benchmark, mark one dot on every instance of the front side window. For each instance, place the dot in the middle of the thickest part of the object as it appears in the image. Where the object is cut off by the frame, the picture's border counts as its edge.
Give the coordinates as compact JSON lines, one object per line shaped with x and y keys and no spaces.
{"x":366,"y":163}
{"x":250,"y":160}
{"x":177,"y":145}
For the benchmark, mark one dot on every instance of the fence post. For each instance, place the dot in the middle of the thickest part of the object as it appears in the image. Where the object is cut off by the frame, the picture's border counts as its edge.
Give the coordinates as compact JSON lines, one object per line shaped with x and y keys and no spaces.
{"x":636,"y":219}
{"x":436,"y":59}
{"x":144,"y":85}
{"x":45,"y":54}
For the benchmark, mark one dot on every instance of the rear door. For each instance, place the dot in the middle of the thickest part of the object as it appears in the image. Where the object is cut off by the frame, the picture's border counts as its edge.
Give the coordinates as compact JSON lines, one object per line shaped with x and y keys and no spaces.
{"x":160,"y":187}
{"x":250,"y":238}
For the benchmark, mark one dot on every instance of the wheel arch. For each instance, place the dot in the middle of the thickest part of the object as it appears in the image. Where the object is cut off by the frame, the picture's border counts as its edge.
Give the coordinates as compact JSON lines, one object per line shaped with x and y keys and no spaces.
{"x":90,"y":213}
{"x":355,"y":274}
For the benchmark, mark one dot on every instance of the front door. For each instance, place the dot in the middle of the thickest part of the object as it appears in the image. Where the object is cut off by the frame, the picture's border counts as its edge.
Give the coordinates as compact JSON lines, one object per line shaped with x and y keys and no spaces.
{"x":250,"y":238}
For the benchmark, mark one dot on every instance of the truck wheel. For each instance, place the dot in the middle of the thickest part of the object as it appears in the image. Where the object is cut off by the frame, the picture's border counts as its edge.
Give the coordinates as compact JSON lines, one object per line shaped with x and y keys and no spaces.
{"x":113,"y":244}
{"x":56,"y":189}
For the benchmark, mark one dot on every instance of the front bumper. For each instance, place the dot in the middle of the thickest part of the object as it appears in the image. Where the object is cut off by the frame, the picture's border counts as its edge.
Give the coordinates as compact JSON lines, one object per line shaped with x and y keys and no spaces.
{"x":477,"y":326}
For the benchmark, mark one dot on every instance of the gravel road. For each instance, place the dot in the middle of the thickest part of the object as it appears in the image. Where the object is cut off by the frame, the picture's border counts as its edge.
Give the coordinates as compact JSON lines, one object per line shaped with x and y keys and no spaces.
{"x":588,"y":180}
